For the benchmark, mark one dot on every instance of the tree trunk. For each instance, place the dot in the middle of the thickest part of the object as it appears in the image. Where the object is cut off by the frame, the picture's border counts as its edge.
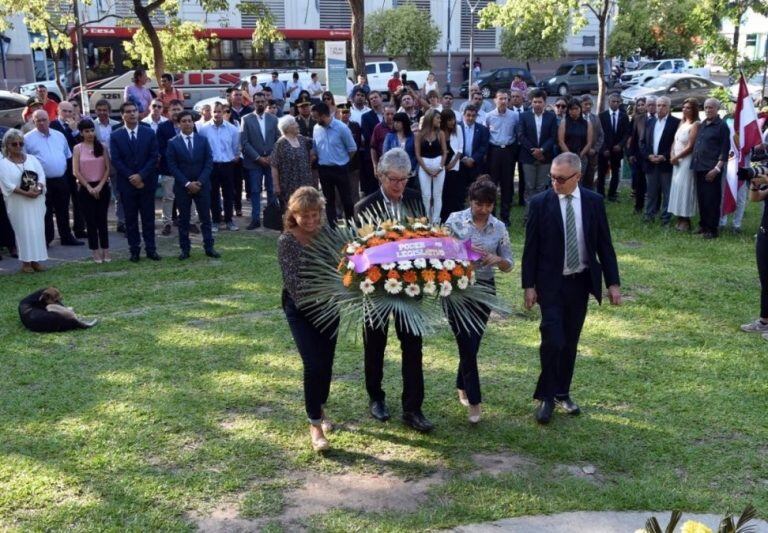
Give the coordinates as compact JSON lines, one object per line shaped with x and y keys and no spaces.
{"x":602,"y":19}
{"x":357,"y":7}
{"x":736,"y":34}
{"x":56,"y":74}
{"x":143,"y":14}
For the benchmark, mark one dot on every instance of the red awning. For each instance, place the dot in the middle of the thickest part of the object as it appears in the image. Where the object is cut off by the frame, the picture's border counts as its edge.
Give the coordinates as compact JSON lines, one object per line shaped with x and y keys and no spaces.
{"x":95,"y":32}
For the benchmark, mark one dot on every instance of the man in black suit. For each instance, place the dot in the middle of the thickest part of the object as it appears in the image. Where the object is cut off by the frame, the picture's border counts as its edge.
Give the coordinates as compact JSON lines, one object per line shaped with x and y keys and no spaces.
{"x":657,"y":143}
{"x":537,"y":136}
{"x":368,"y":123}
{"x":394,"y":198}
{"x":616,"y":131}
{"x":476,"y":138}
{"x":567,"y":251}
{"x":65,"y":123}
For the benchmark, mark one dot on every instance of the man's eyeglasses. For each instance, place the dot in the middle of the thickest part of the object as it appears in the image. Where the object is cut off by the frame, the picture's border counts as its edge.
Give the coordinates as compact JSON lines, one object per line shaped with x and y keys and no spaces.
{"x":16,"y":143}
{"x":564,"y":180}
{"x":155,"y":106}
{"x":397,"y":180}
{"x":560,"y":106}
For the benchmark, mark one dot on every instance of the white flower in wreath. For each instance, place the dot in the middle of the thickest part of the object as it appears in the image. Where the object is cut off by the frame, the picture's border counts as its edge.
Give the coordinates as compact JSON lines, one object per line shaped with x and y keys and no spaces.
{"x":420,"y":263}
{"x":430,"y":288}
{"x":366,"y":237}
{"x":463,"y":282}
{"x":379,"y":232}
{"x":445,"y":288}
{"x":404,"y":265}
{"x":398,"y":227}
{"x":436,"y":263}
{"x":352,"y":247}
{"x":366,"y":286}
{"x":465,"y":264}
{"x":393,"y":286}
{"x":350,"y":265}
{"x":449,"y":264}
{"x":412,"y":290}
{"x":388,"y":266}
{"x":419,"y":225}
{"x":472,"y":278}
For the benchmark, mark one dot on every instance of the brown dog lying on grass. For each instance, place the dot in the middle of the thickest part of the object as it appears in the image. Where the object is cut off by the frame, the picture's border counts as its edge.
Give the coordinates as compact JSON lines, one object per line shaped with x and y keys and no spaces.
{"x":43,"y":312}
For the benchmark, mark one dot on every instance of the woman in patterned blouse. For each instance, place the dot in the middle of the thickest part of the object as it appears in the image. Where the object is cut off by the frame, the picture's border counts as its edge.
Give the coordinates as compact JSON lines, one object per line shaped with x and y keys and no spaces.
{"x":303,"y":222}
{"x":491,"y":240}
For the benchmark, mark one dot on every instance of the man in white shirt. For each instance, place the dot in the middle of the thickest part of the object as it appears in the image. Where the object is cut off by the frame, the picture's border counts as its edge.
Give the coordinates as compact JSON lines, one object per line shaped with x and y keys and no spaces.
{"x":50,"y":147}
{"x":358,"y":108}
{"x":293,"y":88}
{"x":314,"y":88}
{"x":155,"y":117}
{"x":206,"y":115}
{"x":659,"y":137}
{"x":254,"y":86}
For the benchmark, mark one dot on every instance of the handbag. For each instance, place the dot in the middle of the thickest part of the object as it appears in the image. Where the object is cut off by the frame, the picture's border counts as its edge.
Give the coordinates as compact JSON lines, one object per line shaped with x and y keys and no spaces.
{"x":273,"y":216}
{"x":29,"y":180}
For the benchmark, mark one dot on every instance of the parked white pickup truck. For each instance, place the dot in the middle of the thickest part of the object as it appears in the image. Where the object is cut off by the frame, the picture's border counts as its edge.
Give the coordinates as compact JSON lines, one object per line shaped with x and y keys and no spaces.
{"x":380,"y":72}
{"x":654,"y":69}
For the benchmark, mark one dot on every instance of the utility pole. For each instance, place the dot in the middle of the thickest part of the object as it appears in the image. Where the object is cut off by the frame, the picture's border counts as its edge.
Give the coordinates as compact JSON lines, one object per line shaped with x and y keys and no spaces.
{"x":472,"y":9}
{"x":84,"y":103}
{"x":448,"y":69}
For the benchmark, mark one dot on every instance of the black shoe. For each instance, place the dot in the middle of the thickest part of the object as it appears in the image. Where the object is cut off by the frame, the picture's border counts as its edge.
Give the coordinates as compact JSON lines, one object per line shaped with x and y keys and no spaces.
{"x":71,"y":242}
{"x":544,"y":411}
{"x":418,"y":421}
{"x":569,"y":406}
{"x":212,"y":253}
{"x":254,"y":224}
{"x":708,"y":235}
{"x":238,"y":213}
{"x":134,"y":258}
{"x":153,"y":256}
{"x":81,"y":234}
{"x":379,"y":411}
{"x":120,"y":227}
{"x":183,"y":255}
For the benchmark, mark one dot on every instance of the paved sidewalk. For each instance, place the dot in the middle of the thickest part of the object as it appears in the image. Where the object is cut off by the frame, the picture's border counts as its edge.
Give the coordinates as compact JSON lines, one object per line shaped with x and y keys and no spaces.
{"x":594,"y":522}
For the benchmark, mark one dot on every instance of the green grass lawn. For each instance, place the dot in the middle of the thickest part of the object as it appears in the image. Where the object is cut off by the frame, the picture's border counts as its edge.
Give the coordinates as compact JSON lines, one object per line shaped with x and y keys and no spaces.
{"x":188,"y":394}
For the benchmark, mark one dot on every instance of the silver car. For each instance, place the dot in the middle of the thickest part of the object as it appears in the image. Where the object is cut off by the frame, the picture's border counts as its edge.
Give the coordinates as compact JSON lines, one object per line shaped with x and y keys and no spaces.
{"x":11,"y":108}
{"x":678,"y":87}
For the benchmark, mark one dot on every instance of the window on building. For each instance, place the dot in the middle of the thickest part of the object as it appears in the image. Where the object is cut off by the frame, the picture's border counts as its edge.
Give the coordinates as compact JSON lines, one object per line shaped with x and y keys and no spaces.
{"x":751,"y":39}
{"x":334,"y":14}
{"x":276,"y":7}
{"x":484,"y":39}
{"x":587,"y":40}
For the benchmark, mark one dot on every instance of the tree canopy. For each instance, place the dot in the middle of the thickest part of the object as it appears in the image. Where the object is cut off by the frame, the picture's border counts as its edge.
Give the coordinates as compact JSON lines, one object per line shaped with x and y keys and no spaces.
{"x":404,"y":31}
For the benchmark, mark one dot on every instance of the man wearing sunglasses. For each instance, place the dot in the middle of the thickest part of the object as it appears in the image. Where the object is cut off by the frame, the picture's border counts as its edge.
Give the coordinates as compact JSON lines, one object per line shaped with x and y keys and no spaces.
{"x":567,"y":251}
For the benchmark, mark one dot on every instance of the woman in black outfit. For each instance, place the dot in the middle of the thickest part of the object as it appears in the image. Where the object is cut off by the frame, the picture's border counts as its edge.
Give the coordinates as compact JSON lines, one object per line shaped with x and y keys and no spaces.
{"x":303,"y":222}
{"x":575,"y":133}
{"x":758,"y":192}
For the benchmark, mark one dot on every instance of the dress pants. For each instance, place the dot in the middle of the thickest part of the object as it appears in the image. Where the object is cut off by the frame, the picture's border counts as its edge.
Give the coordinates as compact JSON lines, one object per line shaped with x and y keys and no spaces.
{"x":562,"y":317}
{"x":239,"y":175}
{"x":139,"y":202}
{"x":260,"y":177}
{"x":536,"y":176}
{"x":375,"y":342}
{"x":520,"y":176}
{"x":761,"y":251}
{"x":202,"y":201}
{"x":658,"y":184}
{"x":333,"y":177}
{"x":639,"y":185}
{"x":709,"y":194}
{"x":222,"y":187}
{"x":588,"y":176}
{"x":468,"y":342}
{"x":454,"y":193}
{"x":501,"y":167}
{"x":57,"y":196}
{"x":317,"y":349}
{"x":614,"y":161}
{"x":95,"y":213}
{"x":368,"y":182}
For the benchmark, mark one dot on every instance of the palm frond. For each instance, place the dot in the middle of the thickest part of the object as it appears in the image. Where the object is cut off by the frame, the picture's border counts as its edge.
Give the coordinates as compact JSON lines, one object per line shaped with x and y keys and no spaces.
{"x":673,"y":520}
{"x":748,"y":514}
{"x":652,"y":525}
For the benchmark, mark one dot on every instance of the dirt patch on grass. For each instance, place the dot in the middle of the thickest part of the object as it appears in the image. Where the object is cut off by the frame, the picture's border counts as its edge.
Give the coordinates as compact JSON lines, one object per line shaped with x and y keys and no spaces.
{"x":494,"y":464}
{"x":586,"y":472}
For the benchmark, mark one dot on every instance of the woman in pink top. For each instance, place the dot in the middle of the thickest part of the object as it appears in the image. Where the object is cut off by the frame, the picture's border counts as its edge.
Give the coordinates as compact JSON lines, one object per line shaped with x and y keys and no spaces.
{"x":90,"y":164}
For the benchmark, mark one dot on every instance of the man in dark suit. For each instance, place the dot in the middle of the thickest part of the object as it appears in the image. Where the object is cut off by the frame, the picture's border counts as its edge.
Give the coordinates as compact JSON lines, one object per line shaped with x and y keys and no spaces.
{"x":190,"y":161}
{"x":165,"y":132}
{"x":133,"y":149}
{"x":398,"y":201}
{"x":537,"y":135}
{"x":66,"y":124}
{"x":368,"y":123}
{"x":616,"y":131}
{"x":476,"y":139}
{"x":657,"y":143}
{"x":258,"y":134}
{"x":567,"y":251}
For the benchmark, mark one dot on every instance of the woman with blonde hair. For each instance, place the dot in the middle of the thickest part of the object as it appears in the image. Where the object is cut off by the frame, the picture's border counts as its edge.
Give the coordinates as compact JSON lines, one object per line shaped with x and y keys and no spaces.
{"x":303,"y":221}
{"x":431,"y":153}
{"x":22,"y":183}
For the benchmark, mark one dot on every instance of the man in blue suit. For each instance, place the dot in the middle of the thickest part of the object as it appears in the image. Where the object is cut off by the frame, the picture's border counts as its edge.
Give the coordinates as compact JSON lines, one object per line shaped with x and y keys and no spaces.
{"x":133,"y":150}
{"x":476,"y":138}
{"x":537,"y":135}
{"x":565,"y":235}
{"x":190,"y":162}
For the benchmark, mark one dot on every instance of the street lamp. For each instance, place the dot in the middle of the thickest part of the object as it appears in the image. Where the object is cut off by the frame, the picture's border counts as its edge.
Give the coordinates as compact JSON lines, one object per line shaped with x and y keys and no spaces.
{"x":472,"y":8}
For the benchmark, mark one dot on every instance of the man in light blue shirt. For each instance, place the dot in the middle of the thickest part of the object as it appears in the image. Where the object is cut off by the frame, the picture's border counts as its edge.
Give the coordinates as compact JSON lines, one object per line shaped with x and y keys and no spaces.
{"x":278,"y":92}
{"x":503,"y":150}
{"x":51,"y":149}
{"x":334,"y":146}
{"x":224,"y":139}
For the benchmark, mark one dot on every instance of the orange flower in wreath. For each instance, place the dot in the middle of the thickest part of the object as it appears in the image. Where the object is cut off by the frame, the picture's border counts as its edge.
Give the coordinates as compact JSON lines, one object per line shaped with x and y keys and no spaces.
{"x":373,"y":274}
{"x":428,"y":275}
{"x":393,"y":274}
{"x":347,"y":279}
{"x":443,"y":275}
{"x":458,"y":271}
{"x":409,"y":276}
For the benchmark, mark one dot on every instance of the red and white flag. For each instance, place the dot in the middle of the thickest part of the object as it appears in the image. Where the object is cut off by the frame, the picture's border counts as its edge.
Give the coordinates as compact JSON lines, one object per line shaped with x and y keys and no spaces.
{"x":746,"y":135}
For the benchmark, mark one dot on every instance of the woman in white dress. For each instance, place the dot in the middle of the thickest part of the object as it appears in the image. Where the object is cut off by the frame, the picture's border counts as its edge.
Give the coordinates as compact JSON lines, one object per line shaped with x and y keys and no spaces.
{"x":430,"y":85}
{"x":682,"y":194}
{"x":24,"y":200}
